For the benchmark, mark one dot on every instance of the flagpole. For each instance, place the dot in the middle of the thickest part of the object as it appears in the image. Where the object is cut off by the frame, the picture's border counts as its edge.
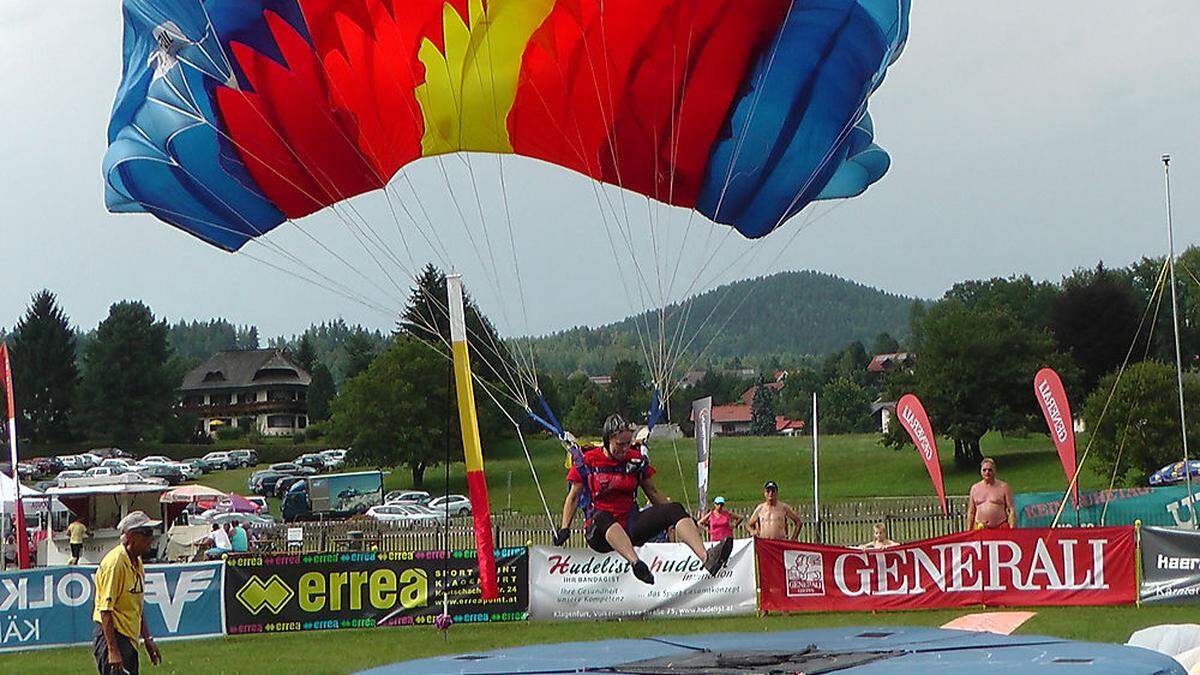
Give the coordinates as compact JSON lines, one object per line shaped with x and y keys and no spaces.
{"x":816,"y":474}
{"x":21,"y":542}
{"x":1187,"y":466}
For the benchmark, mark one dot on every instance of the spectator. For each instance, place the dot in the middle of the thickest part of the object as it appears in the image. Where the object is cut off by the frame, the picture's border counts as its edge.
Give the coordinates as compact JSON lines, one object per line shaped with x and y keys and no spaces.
{"x":772,"y":519}
{"x":719,"y":521}
{"x":880,"y":538}
{"x":118,"y":601}
{"x":77,"y":531}
{"x":238,"y":538}
{"x":990,"y":503}
{"x":219,"y":542}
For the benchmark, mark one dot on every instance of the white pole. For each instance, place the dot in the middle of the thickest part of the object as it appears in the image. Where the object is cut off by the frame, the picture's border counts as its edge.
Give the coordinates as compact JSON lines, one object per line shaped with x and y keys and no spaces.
{"x":1187,"y":467}
{"x":816,"y":471}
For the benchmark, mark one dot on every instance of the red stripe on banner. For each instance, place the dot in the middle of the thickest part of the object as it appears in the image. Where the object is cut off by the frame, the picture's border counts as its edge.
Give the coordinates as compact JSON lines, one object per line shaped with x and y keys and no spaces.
{"x":1052,"y":397}
{"x":11,"y":429}
{"x":912,"y":417}
{"x":482,"y":517}
{"x":1022,"y":567}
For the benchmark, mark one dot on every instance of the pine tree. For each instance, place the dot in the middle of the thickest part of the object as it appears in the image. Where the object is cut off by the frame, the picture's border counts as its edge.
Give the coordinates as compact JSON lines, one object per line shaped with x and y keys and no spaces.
{"x":44,"y":372}
{"x":127,"y":388}
{"x":305,"y":354}
{"x":762,"y":411}
{"x":320,"y":391}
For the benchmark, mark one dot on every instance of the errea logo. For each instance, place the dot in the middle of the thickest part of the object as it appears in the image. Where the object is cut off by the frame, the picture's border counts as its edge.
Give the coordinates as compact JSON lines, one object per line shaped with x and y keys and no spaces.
{"x":273,"y":594}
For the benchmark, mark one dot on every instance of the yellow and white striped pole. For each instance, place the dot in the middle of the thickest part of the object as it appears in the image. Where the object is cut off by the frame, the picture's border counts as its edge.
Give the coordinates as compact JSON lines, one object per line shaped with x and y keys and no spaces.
{"x":472,"y":450}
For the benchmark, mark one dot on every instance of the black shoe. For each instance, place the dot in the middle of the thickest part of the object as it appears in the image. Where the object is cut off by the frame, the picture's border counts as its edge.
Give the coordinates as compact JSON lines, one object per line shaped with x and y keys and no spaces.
{"x":718,"y":555}
{"x":642,"y":572}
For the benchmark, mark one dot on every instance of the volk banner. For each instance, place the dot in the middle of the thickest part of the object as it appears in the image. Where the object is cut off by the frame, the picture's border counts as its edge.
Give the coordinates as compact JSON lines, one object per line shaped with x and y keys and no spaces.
{"x":277,"y":593}
{"x":52,"y":606}
{"x":1166,"y":506}
{"x":992,"y":567}
{"x":573,"y":583}
{"x":1170,"y":566}
{"x":1052,"y":397}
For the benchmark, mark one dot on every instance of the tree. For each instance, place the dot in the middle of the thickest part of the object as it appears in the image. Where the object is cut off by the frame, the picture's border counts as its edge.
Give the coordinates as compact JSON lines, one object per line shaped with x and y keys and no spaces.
{"x":627,"y":393}
{"x":1140,"y":431}
{"x":320,"y":392}
{"x":844,"y":407}
{"x":1028,"y":302}
{"x":974,"y":371}
{"x":585,"y":416}
{"x":762,"y":410}
{"x":1096,"y":319}
{"x":127,"y":388}
{"x":360,"y":350}
{"x":305,"y":354}
{"x":885,"y":344}
{"x":44,"y":372}
{"x":395,"y":412}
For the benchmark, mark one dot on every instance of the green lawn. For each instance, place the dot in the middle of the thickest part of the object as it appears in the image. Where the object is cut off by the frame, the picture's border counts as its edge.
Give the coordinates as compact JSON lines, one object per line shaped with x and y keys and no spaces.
{"x":346,"y":651}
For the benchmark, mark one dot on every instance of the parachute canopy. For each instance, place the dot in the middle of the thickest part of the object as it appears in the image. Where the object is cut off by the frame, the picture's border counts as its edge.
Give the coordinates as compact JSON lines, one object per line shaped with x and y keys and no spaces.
{"x":233,"y":116}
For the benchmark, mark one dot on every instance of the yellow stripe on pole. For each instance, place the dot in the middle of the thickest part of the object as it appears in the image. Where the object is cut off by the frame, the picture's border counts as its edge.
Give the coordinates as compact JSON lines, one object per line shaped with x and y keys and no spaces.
{"x":467,"y":422}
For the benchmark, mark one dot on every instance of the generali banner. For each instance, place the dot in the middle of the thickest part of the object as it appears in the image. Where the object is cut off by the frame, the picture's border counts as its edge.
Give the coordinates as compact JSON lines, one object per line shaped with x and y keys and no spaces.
{"x":574,"y":583}
{"x":1093,"y":566}
{"x":320,"y":591}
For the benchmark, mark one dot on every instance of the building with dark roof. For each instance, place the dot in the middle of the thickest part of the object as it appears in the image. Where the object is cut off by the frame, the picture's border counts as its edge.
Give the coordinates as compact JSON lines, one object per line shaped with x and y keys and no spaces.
{"x":259,"y":387}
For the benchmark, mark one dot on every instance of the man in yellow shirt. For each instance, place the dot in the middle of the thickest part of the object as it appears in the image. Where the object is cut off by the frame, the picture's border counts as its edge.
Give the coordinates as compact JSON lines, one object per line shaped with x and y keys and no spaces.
{"x":120,"y":580}
{"x":77,"y":530}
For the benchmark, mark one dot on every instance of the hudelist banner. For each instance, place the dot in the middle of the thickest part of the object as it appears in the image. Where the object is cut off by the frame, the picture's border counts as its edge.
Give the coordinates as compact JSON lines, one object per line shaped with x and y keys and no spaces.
{"x":1170,"y":566}
{"x":52,"y":606}
{"x":1092,"y":566}
{"x":318,"y":591}
{"x":577,"y":583}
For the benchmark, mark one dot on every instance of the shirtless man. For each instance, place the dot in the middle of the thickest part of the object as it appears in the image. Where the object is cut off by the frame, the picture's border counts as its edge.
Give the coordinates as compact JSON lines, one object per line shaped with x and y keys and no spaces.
{"x":772,"y":518}
{"x":990,"y":502}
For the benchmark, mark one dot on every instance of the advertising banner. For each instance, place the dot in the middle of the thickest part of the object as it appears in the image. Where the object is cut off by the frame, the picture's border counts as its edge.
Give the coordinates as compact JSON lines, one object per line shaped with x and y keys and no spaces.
{"x":52,"y":606}
{"x":1170,"y":566}
{"x":1052,"y":397}
{"x":991,"y":567}
{"x":575,"y":583}
{"x":912,"y":417}
{"x":319,"y":591}
{"x":1166,"y":506}
{"x":702,"y":416}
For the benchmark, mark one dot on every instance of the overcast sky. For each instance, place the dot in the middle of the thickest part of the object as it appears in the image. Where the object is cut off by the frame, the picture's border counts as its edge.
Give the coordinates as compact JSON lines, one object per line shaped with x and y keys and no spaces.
{"x":1025,"y":137}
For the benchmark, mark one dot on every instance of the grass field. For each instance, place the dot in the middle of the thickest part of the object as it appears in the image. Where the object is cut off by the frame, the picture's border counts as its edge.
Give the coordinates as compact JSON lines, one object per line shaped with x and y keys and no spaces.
{"x":345,"y":651}
{"x":851,"y":466}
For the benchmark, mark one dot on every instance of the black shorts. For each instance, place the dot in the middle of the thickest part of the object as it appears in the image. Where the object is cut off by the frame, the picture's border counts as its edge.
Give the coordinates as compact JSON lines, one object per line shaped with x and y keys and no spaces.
{"x":641,"y":527}
{"x":129,"y":653}
{"x":76,"y":550}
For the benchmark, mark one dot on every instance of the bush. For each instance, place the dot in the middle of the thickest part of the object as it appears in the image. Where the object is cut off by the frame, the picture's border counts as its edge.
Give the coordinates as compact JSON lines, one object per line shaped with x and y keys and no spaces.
{"x":315,"y":431}
{"x":231,"y":433}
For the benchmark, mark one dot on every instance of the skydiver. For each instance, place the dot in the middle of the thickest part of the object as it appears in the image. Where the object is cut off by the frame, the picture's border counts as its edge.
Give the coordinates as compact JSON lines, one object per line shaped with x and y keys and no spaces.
{"x":610,"y":476}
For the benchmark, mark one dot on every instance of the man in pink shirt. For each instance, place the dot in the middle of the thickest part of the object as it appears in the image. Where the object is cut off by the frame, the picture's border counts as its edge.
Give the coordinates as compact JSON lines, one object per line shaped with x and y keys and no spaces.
{"x":990,"y":501}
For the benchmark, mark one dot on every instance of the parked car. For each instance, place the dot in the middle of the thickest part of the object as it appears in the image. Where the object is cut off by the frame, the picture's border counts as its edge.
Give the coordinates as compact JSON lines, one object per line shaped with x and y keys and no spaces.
{"x":215,"y":461}
{"x":225,"y":517}
{"x":111,"y":470}
{"x":89,"y":460}
{"x":105,"y":453}
{"x":26,"y":470}
{"x":118,"y":461}
{"x":292,"y":468}
{"x":197,"y":464}
{"x":73,"y":462}
{"x":419,"y":497}
{"x":156,"y":459}
{"x":334,"y":459}
{"x":43,"y":485}
{"x":69,"y":474}
{"x":263,"y":482}
{"x":263,"y":507}
{"x":284,"y":483}
{"x":455,"y":505}
{"x":244,"y":456}
{"x":410,"y":514}
{"x":313,"y":460}
{"x":169,"y":473}
{"x":47,"y":466}
{"x":189,"y":472}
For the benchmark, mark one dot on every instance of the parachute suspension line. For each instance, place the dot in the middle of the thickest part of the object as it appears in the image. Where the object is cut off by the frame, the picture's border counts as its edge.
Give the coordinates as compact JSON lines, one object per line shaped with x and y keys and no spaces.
{"x":1162,"y":276}
{"x":678,"y":462}
{"x":446,"y":431}
{"x":1158,"y":291}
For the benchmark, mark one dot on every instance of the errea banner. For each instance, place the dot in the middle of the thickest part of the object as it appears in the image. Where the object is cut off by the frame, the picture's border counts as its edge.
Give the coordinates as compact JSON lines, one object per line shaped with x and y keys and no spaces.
{"x":319,"y":591}
{"x":52,"y":606}
{"x":1170,"y":566}
{"x":575,"y":583}
{"x":1093,"y":566}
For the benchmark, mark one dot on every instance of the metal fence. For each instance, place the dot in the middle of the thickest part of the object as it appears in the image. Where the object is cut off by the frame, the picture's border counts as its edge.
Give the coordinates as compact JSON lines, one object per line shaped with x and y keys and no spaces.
{"x":842,"y":523}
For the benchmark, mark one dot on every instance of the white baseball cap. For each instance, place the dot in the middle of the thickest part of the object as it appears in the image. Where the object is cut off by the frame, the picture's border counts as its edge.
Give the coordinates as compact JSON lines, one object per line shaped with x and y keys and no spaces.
{"x":135,"y":520}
